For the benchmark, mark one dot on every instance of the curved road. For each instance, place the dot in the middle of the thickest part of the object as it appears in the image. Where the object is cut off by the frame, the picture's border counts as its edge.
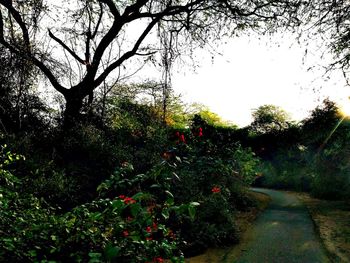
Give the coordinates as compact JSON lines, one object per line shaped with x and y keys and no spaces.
{"x":283,"y":233}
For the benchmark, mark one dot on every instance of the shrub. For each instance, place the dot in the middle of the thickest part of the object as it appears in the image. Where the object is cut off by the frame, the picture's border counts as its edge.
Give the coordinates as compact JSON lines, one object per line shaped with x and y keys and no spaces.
{"x":119,"y":229}
{"x":216,"y":177}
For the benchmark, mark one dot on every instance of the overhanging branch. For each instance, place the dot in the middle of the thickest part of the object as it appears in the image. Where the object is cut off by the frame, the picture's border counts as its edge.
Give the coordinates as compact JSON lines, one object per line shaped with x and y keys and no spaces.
{"x":70,"y":51}
{"x":16,"y":15}
{"x":128,"y":54}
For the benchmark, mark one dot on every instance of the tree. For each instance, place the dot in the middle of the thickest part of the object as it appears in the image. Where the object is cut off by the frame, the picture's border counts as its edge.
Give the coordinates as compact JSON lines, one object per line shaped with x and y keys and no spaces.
{"x":319,"y":125}
{"x":20,"y":108}
{"x":330,"y":21}
{"x":78,"y":44}
{"x":269,"y":118}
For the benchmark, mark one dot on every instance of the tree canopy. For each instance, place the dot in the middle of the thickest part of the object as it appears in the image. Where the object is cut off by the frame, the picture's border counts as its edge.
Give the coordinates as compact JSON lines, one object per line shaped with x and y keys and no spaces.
{"x":268,"y":118}
{"x":78,"y":44}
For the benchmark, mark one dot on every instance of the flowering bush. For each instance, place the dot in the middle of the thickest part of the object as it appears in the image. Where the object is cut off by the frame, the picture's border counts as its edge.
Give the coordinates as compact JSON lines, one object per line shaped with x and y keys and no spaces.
{"x":125,"y":228}
{"x":214,"y":175}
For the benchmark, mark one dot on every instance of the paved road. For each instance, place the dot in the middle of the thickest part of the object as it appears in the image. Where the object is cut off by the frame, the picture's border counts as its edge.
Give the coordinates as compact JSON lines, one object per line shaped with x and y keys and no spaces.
{"x":283,"y":233}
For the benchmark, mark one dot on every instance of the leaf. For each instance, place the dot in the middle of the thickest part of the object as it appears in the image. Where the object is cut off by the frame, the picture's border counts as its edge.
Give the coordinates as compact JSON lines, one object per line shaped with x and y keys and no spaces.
{"x":169,"y":194}
{"x":112,"y":252}
{"x":102,"y":187}
{"x":165,"y":214}
{"x":139,"y":196}
{"x":176,"y":176}
{"x":192,"y":212}
{"x":95,"y":257}
{"x":169,"y":201}
{"x":135,"y":209}
{"x":117,"y":204}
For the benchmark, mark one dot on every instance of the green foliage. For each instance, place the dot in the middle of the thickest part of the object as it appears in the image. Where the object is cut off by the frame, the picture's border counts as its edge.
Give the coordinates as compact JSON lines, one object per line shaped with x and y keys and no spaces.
{"x":211,"y":118}
{"x":314,"y":159}
{"x":215,"y":177}
{"x":118,"y":229}
{"x":269,"y":118}
{"x":163,"y":198}
{"x":331,"y":166}
{"x":138,"y":132}
{"x":318,"y":126}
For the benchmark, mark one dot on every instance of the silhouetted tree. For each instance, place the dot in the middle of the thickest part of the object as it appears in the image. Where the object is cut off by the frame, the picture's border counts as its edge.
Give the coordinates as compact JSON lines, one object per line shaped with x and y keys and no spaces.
{"x":20,"y":108}
{"x":78,"y":44}
{"x":330,"y":21}
{"x":322,"y":120}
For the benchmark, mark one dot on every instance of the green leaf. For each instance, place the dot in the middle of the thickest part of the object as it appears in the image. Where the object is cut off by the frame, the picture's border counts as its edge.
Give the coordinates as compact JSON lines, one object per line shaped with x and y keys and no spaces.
{"x":165,"y":214}
{"x":169,"y":194}
{"x":176,"y":176}
{"x":95,"y":257}
{"x":32,"y":253}
{"x":112,"y":252}
{"x":135,"y":209}
{"x":117,"y":204}
{"x":101,"y":187}
{"x":192,"y":212}
{"x":169,"y":201}
{"x":139,"y":196}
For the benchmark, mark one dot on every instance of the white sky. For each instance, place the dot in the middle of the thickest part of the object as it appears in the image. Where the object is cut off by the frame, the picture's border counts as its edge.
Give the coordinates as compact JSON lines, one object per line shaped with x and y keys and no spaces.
{"x":254,"y":72}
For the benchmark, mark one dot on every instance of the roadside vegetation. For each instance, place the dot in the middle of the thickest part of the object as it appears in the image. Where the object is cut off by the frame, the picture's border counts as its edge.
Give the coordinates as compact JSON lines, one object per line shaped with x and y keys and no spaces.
{"x":135,"y":187}
{"x":132,"y":188}
{"x":311,"y":156}
{"x":96,"y":168}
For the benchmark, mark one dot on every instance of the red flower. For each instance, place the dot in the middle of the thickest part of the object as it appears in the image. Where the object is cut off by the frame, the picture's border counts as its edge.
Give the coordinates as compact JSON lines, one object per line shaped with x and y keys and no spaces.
{"x":155,"y":226}
{"x":200,"y":134}
{"x":182,"y":138}
{"x":129,"y":219}
{"x":125,"y":233}
{"x":158,"y":259}
{"x":149,"y":238}
{"x":148,"y":229}
{"x":122,"y":197}
{"x":216,"y":190}
{"x":129,"y":200}
{"x":177,"y":134}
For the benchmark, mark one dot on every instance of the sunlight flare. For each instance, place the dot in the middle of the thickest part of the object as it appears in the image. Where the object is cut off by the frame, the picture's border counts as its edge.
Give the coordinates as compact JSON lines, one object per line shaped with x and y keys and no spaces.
{"x":344,"y":108}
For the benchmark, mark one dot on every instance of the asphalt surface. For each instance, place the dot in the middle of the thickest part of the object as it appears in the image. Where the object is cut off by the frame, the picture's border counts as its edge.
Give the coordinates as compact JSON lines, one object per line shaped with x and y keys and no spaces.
{"x":283,"y":233}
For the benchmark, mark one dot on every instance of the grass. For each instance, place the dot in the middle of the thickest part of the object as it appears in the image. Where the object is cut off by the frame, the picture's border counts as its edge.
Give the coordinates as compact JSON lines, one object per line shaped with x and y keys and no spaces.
{"x":244,"y":220}
{"x":332,"y":220}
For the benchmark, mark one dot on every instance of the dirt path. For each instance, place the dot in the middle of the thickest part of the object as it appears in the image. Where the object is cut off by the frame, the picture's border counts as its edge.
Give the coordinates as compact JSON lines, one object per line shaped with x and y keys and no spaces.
{"x":284,"y":233}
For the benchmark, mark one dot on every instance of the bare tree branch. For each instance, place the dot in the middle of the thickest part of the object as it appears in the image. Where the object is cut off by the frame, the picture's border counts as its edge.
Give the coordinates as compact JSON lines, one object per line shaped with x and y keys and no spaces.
{"x":112,"y":8}
{"x":16,"y":15}
{"x":128,"y":54}
{"x":70,"y":51}
{"x":98,"y":22}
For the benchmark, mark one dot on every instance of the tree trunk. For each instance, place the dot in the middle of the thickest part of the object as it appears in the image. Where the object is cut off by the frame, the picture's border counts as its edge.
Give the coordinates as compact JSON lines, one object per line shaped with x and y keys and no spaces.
{"x":72,"y":114}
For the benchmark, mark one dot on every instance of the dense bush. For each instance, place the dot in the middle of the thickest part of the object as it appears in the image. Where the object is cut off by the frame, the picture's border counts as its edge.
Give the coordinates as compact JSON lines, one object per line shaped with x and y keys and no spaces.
{"x":160,"y":191}
{"x":118,"y":229}
{"x":214,"y":176}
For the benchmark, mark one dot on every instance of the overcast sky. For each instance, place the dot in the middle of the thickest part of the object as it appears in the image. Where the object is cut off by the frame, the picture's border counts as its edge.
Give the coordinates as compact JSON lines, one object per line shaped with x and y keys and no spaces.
{"x":253,"y":72}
